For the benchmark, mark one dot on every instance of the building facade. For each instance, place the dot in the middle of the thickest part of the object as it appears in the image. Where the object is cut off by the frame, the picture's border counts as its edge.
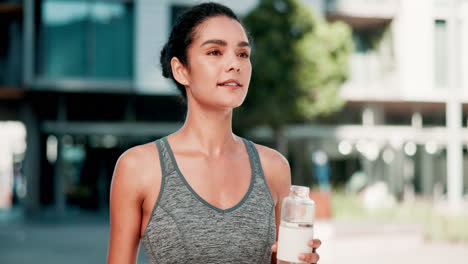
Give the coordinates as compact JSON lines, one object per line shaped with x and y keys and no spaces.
{"x":83,"y":78}
{"x":413,"y":91}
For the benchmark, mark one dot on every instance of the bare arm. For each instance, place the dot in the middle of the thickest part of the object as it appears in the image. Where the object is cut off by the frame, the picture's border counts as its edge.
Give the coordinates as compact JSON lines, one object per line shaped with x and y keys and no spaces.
{"x":282,"y":183}
{"x":125,"y":210}
{"x":278,"y":176}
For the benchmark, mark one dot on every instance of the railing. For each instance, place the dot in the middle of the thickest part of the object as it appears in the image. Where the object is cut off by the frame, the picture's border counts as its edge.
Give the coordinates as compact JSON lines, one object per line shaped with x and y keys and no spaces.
{"x":369,"y":68}
{"x":371,"y":75}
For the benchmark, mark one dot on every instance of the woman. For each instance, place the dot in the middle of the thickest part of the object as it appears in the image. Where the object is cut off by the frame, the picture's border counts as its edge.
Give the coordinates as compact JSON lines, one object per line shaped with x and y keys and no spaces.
{"x":201,"y":194}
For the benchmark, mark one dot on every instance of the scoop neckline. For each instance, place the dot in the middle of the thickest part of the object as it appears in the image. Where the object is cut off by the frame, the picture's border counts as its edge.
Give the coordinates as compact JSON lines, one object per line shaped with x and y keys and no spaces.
{"x":201,"y":199}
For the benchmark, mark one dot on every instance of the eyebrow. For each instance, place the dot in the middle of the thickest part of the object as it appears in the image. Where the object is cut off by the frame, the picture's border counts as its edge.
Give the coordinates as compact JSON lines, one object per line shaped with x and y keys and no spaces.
{"x":224,"y":43}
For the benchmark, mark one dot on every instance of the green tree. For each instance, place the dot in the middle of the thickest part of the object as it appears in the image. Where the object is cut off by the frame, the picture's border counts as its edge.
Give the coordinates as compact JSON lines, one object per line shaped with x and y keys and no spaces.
{"x":299,"y":62}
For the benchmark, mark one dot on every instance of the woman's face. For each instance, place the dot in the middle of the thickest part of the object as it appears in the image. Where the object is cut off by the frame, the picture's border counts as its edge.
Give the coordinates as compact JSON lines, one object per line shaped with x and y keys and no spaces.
{"x":219,"y":63}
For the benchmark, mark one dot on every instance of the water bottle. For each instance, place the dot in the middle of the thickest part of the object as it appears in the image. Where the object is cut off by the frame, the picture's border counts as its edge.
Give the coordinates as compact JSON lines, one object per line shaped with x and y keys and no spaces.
{"x":297,"y":225}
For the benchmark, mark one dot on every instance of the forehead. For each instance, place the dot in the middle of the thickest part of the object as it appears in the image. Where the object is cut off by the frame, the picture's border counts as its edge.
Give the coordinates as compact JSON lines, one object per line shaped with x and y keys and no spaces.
{"x":220,"y":27}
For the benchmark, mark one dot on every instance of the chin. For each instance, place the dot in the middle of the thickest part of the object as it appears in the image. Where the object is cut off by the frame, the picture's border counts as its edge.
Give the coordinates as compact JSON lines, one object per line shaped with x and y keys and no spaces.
{"x":235,"y":103}
{"x":228,"y":105}
{"x":227,"y":101}
{"x":224,"y":101}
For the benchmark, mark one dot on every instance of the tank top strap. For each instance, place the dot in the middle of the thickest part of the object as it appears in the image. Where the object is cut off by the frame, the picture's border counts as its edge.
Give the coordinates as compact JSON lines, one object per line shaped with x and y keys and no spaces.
{"x":257,"y":167}
{"x":254,"y":158}
{"x":167,"y":165}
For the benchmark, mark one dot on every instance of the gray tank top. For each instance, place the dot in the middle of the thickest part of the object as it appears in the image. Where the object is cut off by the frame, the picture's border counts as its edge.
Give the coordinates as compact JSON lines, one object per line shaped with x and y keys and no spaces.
{"x":184,"y":228}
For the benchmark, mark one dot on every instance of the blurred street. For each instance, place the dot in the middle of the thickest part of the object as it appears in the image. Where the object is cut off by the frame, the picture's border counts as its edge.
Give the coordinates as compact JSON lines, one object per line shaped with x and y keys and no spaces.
{"x":83,"y":239}
{"x":72,"y":239}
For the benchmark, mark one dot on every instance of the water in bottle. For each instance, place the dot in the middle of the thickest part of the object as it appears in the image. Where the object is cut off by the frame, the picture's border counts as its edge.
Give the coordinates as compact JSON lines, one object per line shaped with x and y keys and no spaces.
{"x":297,"y":225}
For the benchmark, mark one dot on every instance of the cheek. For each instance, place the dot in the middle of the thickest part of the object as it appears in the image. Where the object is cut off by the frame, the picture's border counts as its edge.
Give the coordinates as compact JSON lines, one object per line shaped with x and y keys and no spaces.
{"x":205,"y":71}
{"x":200,"y":67}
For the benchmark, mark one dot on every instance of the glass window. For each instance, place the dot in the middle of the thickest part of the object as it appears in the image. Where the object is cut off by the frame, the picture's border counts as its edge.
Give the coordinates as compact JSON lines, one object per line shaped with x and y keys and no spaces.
{"x":112,"y":40}
{"x":10,"y":47}
{"x":440,"y":54}
{"x":85,"y":39}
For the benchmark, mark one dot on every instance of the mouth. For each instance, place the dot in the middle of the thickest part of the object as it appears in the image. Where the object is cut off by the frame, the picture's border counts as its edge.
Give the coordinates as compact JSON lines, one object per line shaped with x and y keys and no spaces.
{"x":230,"y":84}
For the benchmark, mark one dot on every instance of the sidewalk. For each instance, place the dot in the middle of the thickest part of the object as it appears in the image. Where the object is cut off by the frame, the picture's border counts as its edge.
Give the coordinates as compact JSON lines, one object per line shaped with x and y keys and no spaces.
{"x":392,"y":243}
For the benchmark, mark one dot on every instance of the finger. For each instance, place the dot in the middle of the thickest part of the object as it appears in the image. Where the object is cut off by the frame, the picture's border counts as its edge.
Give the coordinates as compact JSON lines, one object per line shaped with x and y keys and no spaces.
{"x":274,"y":248}
{"x":309,"y":258}
{"x":314,"y":257}
{"x":305,"y":258}
{"x":315,"y":243}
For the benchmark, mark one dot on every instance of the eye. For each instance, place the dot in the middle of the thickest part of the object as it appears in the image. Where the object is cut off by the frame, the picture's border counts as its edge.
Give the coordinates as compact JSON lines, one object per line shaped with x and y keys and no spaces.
{"x":214,"y":53}
{"x":244,"y":55}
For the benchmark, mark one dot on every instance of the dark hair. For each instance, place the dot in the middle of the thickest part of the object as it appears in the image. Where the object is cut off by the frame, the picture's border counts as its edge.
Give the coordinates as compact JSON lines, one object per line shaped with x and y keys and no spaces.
{"x":182,"y":35}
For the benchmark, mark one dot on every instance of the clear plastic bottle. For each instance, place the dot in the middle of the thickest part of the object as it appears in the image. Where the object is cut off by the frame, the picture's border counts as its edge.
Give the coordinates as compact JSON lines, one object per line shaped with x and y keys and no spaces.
{"x":297,"y":225}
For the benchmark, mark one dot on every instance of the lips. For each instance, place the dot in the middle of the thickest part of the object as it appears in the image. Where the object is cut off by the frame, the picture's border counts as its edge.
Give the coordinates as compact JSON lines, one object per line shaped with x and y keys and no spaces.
{"x":230,"y":83}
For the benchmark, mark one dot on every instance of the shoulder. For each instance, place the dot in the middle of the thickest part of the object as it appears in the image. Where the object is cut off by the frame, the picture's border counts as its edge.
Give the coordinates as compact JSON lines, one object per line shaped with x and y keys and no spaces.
{"x":138,"y":155}
{"x":136,"y":159}
{"x":276,"y":169}
{"x":271,"y":158}
{"x":136,"y":168}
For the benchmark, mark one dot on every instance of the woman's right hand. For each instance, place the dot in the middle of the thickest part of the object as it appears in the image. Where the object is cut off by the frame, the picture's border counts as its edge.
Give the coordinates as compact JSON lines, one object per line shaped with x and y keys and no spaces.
{"x":312,"y":257}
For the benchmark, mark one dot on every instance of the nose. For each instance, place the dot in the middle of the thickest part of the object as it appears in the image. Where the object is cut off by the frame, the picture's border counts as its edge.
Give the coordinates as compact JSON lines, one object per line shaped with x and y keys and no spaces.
{"x":233,"y":64}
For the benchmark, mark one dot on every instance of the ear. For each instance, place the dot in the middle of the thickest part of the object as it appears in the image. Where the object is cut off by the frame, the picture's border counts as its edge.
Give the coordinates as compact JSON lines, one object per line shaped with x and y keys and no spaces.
{"x":179,"y":71}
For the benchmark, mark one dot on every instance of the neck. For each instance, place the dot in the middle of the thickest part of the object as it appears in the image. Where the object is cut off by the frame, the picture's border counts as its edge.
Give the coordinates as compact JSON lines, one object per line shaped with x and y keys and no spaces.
{"x":209,"y":130}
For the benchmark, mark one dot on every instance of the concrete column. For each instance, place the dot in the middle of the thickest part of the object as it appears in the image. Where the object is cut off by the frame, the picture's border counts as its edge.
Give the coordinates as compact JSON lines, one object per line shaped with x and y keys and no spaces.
{"x":408,"y":178}
{"x":440,"y":177}
{"x":59,"y":173}
{"x":31,"y":160}
{"x":397,"y":183}
{"x":387,"y":166}
{"x":454,"y":114}
{"x":391,"y":173}
{"x":373,"y":115}
{"x":416,"y":120}
{"x":59,"y":180}
{"x":427,"y":172}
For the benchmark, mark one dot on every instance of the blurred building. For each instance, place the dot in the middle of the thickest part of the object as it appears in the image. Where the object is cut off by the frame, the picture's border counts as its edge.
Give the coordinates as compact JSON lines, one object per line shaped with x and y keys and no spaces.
{"x":83,"y":77}
{"x":407,"y":96}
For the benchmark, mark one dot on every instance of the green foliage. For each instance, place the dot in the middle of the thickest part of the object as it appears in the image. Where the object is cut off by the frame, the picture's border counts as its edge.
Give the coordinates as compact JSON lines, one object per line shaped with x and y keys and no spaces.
{"x":299,"y":62}
{"x":448,"y":227}
{"x":435,"y":224}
